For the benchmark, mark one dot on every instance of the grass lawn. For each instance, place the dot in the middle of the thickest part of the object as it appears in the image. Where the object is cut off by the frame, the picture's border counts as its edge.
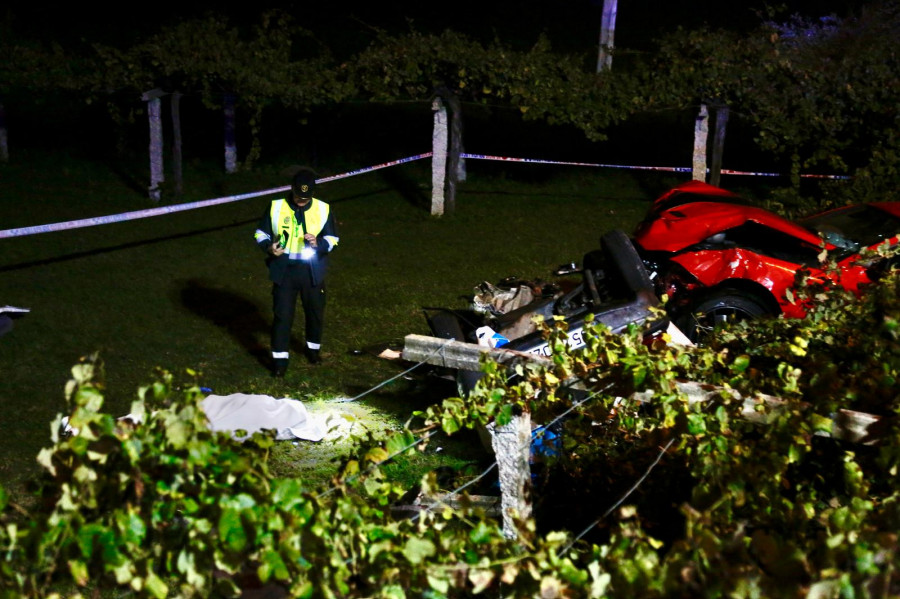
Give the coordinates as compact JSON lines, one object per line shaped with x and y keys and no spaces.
{"x":190,"y":290}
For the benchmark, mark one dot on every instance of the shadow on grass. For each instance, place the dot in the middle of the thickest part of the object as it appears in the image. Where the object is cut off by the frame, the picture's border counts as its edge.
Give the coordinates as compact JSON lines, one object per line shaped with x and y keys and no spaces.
{"x":121,"y":246}
{"x":128,"y":177}
{"x":235,"y":314}
{"x":408,"y":188}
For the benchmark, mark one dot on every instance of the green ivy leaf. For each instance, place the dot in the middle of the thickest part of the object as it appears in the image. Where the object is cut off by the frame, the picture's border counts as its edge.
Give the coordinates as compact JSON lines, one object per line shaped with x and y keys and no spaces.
{"x":449,"y":424}
{"x":482,"y":579}
{"x":45,"y":459}
{"x":89,"y":398}
{"x":155,"y":586}
{"x":270,"y":565}
{"x":822,"y":424}
{"x":79,"y":571}
{"x":377,"y":455}
{"x":438,"y":582}
{"x":131,"y":526}
{"x":186,"y":564}
{"x":417,"y":550}
{"x":639,"y":375}
{"x":741,"y":363}
{"x":696,"y":424}
{"x":177,"y":433}
{"x":393,"y":591}
{"x":504,"y":415}
{"x":287,"y":493}
{"x":231,"y":530}
{"x":600,"y":581}
{"x":400,"y":442}
{"x":481,"y":533}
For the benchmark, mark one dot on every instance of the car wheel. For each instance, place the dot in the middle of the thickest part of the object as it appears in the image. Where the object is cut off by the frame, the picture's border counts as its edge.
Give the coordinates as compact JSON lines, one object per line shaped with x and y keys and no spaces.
{"x":718,"y":310}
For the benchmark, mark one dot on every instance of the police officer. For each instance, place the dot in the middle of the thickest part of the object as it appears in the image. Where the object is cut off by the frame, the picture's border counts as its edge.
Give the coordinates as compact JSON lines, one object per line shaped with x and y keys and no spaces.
{"x":297,"y":234}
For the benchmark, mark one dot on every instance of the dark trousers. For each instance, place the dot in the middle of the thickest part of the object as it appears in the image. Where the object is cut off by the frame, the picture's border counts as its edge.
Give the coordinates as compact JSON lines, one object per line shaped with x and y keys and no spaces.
{"x":297,"y":281}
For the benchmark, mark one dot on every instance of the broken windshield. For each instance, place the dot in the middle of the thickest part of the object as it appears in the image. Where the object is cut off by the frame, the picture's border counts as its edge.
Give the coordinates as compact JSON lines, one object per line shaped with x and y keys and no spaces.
{"x":851,"y":229}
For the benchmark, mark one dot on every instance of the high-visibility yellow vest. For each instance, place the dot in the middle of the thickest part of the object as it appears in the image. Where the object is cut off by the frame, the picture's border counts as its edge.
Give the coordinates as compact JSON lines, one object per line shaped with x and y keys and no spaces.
{"x":286,"y":226}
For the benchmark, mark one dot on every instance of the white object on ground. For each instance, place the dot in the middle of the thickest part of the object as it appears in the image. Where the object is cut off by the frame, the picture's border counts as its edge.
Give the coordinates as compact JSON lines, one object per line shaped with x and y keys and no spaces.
{"x":677,"y":336}
{"x":390,"y":354}
{"x":252,"y":413}
{"x":488,"y":337}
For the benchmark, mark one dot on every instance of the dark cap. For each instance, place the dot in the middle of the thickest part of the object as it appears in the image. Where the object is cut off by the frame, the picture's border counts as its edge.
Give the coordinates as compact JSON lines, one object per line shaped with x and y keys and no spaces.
{"x":304,"y":183}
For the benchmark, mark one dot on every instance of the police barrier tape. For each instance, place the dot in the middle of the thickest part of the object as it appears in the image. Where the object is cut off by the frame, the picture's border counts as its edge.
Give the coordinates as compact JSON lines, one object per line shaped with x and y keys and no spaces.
{"x":136,"y":214}
{"x":673,"y":169}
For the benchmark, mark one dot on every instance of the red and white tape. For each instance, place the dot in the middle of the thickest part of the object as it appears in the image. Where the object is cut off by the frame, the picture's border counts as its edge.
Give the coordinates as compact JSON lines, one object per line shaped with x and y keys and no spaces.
{"x":136,"y":214}
{"x":673,"y":169}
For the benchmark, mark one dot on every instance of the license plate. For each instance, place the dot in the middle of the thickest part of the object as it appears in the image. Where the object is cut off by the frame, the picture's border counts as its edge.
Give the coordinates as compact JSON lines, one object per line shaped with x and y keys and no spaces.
{"x":574,"y":341}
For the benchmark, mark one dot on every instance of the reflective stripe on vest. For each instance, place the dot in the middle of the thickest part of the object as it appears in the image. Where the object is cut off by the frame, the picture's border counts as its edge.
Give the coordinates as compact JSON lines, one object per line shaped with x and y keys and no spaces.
{"x":284,"y":223}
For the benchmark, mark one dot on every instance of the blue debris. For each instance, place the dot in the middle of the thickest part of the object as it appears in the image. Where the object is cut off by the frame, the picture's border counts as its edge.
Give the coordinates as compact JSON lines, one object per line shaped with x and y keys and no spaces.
{"x":544,"y":443}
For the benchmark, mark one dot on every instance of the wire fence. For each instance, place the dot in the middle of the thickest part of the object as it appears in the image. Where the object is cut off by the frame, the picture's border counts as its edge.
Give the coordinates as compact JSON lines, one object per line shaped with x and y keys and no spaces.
{"x":444,"y":500}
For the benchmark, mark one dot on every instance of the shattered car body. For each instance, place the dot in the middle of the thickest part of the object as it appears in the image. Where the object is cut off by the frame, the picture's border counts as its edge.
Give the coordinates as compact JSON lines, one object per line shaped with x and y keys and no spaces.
{"x":718,"y":258}
{"x":612,"y":284}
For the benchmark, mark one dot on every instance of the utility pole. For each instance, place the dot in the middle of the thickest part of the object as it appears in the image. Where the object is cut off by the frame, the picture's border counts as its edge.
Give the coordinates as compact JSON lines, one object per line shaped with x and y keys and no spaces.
{"x":607,"y":35}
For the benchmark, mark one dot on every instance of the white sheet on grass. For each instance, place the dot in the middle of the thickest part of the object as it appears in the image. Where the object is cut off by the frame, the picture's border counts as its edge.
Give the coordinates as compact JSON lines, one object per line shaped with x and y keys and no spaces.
{"x":252,"y":413}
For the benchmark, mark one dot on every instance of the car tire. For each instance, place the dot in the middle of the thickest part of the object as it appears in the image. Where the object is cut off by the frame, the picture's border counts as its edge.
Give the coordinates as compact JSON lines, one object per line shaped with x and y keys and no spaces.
{"x":719,"y":309}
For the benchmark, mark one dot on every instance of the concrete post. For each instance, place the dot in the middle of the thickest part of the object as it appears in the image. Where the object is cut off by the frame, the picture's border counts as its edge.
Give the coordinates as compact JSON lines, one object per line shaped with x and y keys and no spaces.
{"x":512,"y":448}
{"x":701,"y":133}
{"x":177,"y":170}
{"x":230,"y":135}
{"x":154,"y":110}
{"x":718,"y":145}
{"x":438,"y":157}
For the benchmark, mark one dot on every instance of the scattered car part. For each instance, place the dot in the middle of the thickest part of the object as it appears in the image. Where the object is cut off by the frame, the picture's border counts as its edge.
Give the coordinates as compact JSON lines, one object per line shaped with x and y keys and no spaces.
{"x":613,"y":285}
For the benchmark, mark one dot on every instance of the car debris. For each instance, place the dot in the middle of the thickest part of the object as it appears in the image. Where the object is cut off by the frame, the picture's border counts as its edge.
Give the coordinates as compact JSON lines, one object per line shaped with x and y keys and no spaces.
{"x":611,"y":284}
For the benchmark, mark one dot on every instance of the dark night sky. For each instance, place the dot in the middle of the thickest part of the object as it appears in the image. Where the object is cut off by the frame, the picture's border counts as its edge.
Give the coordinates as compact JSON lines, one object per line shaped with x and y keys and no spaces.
{"x":572,"y":25}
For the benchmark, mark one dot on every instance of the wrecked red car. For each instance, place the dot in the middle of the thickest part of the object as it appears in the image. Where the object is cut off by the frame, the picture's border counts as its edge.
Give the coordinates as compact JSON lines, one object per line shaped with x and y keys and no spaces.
{"x":718,"y":258}
{"x":714,"y":255}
